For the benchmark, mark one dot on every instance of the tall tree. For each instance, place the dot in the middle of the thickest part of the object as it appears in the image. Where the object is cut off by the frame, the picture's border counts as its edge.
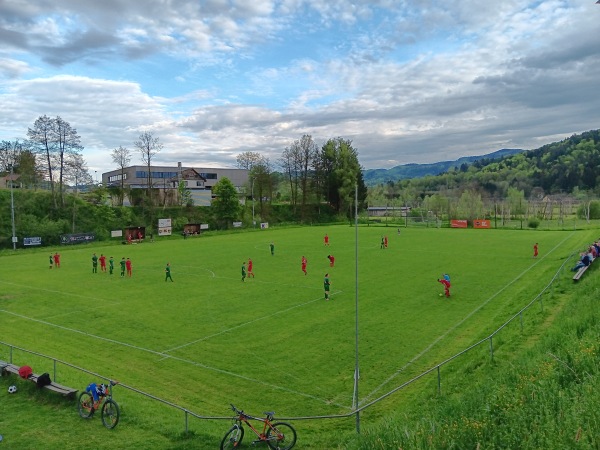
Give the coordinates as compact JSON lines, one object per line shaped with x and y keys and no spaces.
{"x":68,"y":143}
{"x":226,"y":204}
{"x":305,"y":151}
{"x":261,"y":176}
{"x":290,"y":164}
{"x":76,"y":170}
{"x":341,"y":172}
{"x":148,"y":146}
{"x":121,"y":157}
{"x":41,"y":138}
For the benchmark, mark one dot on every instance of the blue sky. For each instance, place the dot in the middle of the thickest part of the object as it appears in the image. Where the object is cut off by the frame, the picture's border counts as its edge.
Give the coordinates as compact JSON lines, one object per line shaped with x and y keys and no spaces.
{"x":406,"y":81}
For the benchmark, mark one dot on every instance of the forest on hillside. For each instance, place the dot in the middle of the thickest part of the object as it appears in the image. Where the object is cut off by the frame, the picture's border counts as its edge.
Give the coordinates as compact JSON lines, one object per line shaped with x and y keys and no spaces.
{"x":536,"y":182}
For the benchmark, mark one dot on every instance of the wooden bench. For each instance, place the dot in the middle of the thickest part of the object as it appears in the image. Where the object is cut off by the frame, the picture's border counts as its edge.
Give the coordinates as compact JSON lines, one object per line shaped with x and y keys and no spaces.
{"x":582,"y":270}
{"x":63,"y":390}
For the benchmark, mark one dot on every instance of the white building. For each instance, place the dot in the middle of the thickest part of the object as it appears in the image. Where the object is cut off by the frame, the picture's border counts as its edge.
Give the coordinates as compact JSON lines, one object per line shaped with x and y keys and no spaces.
{"x":199,"y":181}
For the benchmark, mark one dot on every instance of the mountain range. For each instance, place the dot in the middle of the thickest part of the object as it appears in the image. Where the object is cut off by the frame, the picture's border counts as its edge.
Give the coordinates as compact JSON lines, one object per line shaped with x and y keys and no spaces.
{"x":381,"y":176}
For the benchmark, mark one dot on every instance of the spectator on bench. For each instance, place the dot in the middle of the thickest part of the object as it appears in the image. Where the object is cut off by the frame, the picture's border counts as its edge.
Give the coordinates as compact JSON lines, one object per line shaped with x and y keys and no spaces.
{"x":584,"y":261}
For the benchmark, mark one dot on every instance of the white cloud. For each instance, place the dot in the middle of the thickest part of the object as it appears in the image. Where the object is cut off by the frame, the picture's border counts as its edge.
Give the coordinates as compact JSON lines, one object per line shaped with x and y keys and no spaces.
{"x":405,"y":81}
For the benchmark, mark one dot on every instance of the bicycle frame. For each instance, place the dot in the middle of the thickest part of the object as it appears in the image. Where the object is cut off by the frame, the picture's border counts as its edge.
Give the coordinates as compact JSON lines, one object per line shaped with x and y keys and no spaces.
{"x":277,"y":435}
{"x":245,"y":418}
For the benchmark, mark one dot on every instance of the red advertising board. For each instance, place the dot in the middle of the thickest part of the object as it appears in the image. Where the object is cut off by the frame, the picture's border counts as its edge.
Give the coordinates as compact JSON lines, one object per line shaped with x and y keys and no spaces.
{"x":481,"y":223}
{"x":458,"y":223}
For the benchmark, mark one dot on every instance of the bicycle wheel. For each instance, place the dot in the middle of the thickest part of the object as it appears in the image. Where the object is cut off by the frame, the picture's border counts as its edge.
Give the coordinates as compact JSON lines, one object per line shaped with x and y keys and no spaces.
{"x":85,"y":405}
{"x":110,"y":414}
{"x":233,"y":438}
{"x":281,"y":436}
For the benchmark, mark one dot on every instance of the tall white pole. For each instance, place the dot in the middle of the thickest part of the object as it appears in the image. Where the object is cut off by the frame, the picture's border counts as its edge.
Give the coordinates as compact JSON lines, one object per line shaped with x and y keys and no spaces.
{"x":356,"y":370}
{"x":252,"y":188}
{"x":12,"y":210}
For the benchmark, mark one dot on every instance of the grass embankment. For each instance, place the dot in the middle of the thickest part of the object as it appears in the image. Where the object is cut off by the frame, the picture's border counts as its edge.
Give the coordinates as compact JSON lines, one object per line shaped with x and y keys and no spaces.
{"x":543,"y":395}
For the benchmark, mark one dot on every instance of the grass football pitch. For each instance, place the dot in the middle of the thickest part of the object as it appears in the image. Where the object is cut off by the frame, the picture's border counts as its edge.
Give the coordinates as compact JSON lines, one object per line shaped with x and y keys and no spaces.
{"x":271,"y":342}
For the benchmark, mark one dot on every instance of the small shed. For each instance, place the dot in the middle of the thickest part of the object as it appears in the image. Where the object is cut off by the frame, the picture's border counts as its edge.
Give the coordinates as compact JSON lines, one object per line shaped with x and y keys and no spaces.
{"x":191,"y":229}
{"x":134,"y":234}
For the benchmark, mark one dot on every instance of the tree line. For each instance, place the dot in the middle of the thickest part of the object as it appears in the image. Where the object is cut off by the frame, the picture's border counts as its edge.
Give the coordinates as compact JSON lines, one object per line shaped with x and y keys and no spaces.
{"x":546,"y":183}
{"x":308,"y":175}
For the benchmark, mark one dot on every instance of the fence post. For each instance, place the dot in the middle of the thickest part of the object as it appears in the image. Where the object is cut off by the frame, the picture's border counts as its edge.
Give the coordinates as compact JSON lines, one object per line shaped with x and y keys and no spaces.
{"x":491,"y":348}
{"x":186,"y":421}
{"x":54,"y":370}
{"x":11,"y":353}
{"x":439,"y":381}
{"x":521,"y":317}
{"x":542,"y":303}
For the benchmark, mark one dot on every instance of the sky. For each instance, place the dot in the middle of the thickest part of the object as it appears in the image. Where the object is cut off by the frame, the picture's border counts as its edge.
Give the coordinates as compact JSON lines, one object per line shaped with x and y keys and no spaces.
{"x":405,"y":81}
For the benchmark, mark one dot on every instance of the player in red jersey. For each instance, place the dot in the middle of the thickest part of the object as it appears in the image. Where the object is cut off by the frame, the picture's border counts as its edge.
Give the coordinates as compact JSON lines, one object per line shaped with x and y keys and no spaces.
{"x":250,"y":267}
{"x":304,"y":262}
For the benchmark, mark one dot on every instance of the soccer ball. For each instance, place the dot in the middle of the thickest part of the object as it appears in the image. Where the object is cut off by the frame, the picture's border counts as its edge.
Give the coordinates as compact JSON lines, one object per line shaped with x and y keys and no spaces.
{"x":12,"y":389}
{"x":440,"y":294}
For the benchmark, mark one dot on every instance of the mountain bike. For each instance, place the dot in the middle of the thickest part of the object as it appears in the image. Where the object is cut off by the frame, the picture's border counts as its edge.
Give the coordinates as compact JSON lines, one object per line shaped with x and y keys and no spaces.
{"x":108,"y":407}
{"x":278,"y":436}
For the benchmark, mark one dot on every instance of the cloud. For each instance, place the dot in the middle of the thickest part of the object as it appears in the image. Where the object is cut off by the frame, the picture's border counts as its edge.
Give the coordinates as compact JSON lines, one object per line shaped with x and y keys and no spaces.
{"x":405,"y":81}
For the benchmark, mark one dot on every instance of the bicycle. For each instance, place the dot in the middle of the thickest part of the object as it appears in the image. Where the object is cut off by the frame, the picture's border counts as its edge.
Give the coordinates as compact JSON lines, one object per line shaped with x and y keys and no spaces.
{"x":108,"y":407}
{"x":278,"y":436}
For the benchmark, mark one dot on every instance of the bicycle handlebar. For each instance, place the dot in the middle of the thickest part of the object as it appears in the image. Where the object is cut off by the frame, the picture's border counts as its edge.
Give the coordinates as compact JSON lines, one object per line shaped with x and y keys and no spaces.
{"x":242,"y":413}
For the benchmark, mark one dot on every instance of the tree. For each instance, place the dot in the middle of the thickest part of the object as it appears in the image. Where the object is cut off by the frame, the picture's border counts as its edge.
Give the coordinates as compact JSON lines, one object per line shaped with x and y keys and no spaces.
{"x":262,"y":177}
{"x":121,"y":157}
{"x":226,"y":205}
{"x":470,"y":205}
{"x":248,"y":160}
{"x":184,"y":194}
{"x":148,"y":146}
{"x":9,"y":154}
{"x":68,"y":143}
{"x":55,"y":139}
{"x":41,"y":138}
{"x":339,"y":172}
{"x":26,"y":167}
{"x":290,"y":164}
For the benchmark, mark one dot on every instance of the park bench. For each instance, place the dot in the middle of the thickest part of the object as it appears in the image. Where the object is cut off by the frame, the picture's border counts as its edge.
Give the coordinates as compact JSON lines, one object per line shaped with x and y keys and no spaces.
{"x":582,"y":270}
{"x":7,"y":368}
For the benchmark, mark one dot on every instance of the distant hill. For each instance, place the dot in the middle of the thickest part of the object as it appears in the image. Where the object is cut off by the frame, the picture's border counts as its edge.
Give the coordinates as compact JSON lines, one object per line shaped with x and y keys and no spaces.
{"x":381,"y":176}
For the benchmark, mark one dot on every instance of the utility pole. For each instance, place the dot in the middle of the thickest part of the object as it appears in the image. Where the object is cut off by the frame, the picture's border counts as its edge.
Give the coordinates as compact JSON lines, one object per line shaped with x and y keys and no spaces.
{"x":252,"y":193}
{"x":12,"y":209}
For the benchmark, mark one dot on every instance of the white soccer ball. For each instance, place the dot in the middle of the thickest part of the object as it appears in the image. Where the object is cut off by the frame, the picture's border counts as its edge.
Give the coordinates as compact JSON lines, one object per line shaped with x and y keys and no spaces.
{"x":12,"y":389}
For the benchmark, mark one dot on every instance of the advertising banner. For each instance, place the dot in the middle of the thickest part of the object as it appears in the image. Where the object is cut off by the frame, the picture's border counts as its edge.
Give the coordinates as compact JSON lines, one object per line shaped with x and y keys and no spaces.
{"x":79,"y":238}
{"x":164,"y":223}
{"x":164,"y":231}
{"x":479,"y":223}
{"x":264,"y":225}
{"x":458,"y":223}
{"x":164,"y":227}
{"x":32,"y":241}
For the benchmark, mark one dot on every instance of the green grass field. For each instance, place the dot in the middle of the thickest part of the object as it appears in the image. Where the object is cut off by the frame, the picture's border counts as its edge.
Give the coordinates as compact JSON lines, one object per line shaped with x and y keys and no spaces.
{"x":272,"y":342}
